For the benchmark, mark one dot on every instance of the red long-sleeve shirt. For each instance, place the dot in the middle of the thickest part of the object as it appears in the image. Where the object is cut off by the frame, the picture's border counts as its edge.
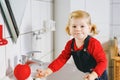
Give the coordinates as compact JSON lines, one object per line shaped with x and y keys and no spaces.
{"x":94,"y":48}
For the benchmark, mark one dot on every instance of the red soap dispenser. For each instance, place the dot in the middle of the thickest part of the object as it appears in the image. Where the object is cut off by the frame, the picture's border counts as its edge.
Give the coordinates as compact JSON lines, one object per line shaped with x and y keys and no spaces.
{"x":2,"y":41}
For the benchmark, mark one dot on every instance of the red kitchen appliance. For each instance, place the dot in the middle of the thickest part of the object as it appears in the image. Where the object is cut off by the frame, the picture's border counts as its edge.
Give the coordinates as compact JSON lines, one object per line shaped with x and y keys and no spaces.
{"x":2,"y":41}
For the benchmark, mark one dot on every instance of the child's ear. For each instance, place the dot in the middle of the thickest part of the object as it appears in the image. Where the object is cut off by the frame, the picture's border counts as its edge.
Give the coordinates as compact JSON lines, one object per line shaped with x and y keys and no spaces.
{"x":90,"y":27}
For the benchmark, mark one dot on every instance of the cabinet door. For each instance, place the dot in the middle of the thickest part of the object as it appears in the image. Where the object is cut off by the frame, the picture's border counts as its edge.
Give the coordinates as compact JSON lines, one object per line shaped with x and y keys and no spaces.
{"x":116,"y":70}
{"x":39,"y":14}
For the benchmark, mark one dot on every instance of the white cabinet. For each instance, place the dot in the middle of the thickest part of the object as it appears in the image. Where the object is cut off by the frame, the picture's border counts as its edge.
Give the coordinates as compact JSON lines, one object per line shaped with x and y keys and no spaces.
{"x":26,"y":21}
{"x":2,"y":61}
{"x":26,"y":43}
{"x":12,"y":50}
{"x":41,"y":11}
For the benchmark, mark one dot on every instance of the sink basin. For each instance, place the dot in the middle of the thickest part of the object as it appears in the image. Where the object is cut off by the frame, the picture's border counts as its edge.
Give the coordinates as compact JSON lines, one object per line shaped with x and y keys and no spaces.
{"x":67,"y":72}
{"x":34,"y":67}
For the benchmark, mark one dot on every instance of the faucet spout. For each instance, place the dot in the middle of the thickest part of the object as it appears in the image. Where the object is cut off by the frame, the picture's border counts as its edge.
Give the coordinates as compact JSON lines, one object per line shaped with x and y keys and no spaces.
{"x":33,"y":52}
{"x":29,"y":58}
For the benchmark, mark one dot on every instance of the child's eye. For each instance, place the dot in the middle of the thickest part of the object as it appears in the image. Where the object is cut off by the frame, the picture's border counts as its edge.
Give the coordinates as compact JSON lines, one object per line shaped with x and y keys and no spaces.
{"x":74,"y":26}
{"x":82,"y":26}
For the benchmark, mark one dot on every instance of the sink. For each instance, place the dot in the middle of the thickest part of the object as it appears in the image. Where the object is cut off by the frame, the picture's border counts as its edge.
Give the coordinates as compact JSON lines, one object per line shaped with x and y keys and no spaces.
{"x":67,"y":72}
{"x":34,"y":67}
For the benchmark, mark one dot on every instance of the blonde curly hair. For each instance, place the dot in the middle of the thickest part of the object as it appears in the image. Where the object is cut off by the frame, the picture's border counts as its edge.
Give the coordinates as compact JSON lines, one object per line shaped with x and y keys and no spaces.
{"x":85,"y":15}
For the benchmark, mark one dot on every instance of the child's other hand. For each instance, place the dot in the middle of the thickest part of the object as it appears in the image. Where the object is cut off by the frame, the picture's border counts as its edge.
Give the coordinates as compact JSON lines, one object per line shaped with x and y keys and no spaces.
{"x":91,"y":76}
{"x":43,"y":73}
{"x":40,"y":73}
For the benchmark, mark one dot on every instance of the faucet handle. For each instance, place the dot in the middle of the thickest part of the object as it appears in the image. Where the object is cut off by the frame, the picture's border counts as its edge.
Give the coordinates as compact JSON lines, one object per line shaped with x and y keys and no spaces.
{"x":31,"y":53}
{"x":24,"y":59}
{"x":29,"y":56}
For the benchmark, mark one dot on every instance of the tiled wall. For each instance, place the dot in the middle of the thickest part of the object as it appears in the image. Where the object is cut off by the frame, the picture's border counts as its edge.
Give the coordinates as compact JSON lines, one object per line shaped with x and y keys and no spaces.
{"x":115,"y":18}
{"x":35,"y":13}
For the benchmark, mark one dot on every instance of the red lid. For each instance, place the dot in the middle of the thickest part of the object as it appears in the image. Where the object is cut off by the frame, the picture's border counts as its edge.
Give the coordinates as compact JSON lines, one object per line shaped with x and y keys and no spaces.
{"x":22,"y":71}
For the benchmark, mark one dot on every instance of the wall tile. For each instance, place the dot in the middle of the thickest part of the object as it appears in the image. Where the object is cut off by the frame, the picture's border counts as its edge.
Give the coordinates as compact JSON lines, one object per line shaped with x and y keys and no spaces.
{"x":115,"y":15}
{"x":115,"y":31}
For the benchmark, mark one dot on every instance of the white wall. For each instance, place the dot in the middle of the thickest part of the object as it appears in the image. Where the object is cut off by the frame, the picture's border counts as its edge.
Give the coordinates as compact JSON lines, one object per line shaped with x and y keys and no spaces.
{"x":36,"y":11}
{"x":61,"y":11}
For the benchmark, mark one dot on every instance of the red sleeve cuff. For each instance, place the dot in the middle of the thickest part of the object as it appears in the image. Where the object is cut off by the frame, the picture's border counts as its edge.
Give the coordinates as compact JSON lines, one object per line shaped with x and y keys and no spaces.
{"x":52,"y":68}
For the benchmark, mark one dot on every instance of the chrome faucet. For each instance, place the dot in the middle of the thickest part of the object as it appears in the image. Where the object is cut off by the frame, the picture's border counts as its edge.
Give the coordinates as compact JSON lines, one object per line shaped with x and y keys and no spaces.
{"x":31,"y":53}
{"x":30,"y":57}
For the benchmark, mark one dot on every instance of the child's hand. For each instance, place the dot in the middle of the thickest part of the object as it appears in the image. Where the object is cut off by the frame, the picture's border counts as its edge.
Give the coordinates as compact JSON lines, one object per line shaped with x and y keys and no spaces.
{"x":40,"y":73}
{"x":91,"y":76}
{"x":43,"y":73}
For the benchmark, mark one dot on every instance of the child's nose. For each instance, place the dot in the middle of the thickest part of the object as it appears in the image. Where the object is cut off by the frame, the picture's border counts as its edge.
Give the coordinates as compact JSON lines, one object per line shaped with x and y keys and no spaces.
{"x":78,"y":28}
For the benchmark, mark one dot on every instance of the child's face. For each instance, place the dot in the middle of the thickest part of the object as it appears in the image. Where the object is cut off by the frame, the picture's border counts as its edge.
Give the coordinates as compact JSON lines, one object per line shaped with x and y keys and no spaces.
{"x":79,"y":28}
